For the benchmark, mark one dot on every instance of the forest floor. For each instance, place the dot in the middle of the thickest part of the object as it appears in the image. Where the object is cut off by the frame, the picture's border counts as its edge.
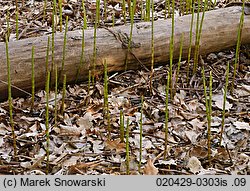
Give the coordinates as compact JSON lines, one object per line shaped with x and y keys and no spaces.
{"x":83,"y":141}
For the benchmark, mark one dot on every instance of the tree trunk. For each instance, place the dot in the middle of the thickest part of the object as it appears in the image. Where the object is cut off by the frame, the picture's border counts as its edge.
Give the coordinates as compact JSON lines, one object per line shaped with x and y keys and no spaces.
{"x":219,"y":32}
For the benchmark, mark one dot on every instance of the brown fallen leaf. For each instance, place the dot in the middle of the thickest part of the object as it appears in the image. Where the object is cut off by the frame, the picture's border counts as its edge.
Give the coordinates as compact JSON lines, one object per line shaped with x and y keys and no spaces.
{"x":115,"y":145}
{"x":82,"y":168}
{"x":150,"y":169}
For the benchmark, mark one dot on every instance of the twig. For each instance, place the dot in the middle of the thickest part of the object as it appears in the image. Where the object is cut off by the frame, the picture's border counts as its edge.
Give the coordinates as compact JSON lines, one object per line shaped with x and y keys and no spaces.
{"x":123,"y":39}
{"x":17,"y":88}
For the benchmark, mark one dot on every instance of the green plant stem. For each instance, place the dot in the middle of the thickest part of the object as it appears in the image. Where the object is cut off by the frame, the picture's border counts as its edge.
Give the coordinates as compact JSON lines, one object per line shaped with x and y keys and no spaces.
{"x":64,"y":49}
{"x":152,"y":49}
{"x":53,"y":40}
{"x":179,"y":61}
{"x":171,"y":53}
{"x":47,"y":121}
{"x":196,"y":52}
{"x":224,"y":103}
{"x":105,"y":101}
{"x":199,"y":37}
{"x":63,"y":94}
{"x":44,"y":10}
{"x":17,"y":33}
{"x":140,"y":157}
{"x":32,"y":78}
{"x":55,"y":14}
{"x":8,"y":25}
{"x":208,"y":110}
{"x":82,"y":58}
{"x":167,"y":5}
{"x":123,"y":11}
{"x":98,"y":12}
{"x":209,"y":118}
{"x":190,"y":43}
{"x":237,"y":51}
{"x":105,"y":10}
{"x":121,"y":126}
{"x":127,"y":148}
{"x":10,"y":98}
{"x":147,"y":17}
{"x":84,"y":16}
{"x":56,"y":89}
{"x":94,"y":53}
{"x":166,"y":115}
{"x":47,"y":56}
{"x":60,"y":14}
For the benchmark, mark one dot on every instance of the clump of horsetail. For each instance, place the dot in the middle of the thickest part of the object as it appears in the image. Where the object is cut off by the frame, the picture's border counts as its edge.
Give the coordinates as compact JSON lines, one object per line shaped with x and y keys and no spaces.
{"x":60,"y":14}
{"x":63,"y":94}
{"x":10,"y":98}
{"x":152,"y":49}
{"x":105,"y":99}
{"x":47,"y":121}
{"x":190,"y":43}
{"x":140,"y":157}
{"x":171,"y":53}
{"x":121,"y":126}
{"x":127,"y":148}
{"x":32,"y":78}
{"x":208,"y":109}
{"x":198,"y":36}
{"x":166,"y":115}
{"x":64,"y":48}
{"x":237,"y":51}
{"x":224,"y":104}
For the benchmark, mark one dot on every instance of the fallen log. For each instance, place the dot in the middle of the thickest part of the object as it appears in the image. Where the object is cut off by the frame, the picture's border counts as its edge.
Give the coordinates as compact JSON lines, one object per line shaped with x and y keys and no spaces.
{"x":219,"y":32}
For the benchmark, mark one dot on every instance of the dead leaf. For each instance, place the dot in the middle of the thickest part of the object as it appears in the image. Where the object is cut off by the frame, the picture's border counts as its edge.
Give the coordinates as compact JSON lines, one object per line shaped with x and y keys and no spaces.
{"x":150,"y":169}
{"x":115,"y":145}
{"x":194,"y":165}
{"x":242,"y":125}
{"x":219,"y":99}
{"x":192,"y":136}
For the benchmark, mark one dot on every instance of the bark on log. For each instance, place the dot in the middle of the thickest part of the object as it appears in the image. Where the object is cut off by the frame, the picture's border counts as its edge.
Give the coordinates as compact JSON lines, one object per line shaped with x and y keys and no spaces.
{"x":219,"y":32}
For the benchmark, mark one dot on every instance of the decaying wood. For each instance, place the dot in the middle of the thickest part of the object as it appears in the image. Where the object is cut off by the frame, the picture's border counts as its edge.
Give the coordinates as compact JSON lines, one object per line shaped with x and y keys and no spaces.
{"x":219,"y":32}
